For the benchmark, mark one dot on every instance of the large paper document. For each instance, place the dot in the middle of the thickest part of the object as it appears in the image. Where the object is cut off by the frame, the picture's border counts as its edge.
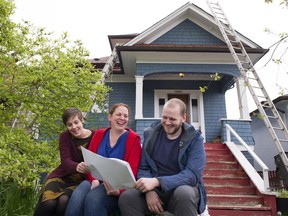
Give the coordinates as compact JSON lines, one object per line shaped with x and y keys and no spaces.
{"x":117,"y":172}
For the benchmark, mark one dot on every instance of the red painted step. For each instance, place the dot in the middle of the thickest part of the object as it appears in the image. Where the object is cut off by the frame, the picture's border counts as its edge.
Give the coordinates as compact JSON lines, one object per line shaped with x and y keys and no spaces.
{"x":238,"y":199}
{"x":229,"y":189}
{"x":215,"y":165}
{"x":226,"y":173}
{"x":239,"y":211}
{"x":218,"y":158}
{"x":219,"y":180}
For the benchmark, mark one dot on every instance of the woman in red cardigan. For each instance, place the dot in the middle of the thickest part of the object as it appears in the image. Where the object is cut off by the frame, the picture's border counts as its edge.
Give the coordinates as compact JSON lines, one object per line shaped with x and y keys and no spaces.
{"x":61,"y":182}
{"x":93,"y":197}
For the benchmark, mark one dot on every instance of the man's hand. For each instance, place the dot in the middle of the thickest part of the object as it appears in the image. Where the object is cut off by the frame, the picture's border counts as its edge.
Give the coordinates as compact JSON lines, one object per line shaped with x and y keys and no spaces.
{"x":110,"y":190}
{"x":147,"y":184}
{"x":153,"y":202}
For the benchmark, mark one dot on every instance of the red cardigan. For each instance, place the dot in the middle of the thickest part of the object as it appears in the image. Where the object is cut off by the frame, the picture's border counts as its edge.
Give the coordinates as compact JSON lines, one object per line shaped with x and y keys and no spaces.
{"x":69,"y":154}
{"x":132,"y":150}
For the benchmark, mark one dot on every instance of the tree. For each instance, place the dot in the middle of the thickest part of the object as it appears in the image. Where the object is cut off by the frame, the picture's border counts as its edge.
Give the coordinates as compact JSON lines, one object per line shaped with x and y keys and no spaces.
{"x":282,"y":2}
{"x":40,"y":76}
{"x":279,"y":48}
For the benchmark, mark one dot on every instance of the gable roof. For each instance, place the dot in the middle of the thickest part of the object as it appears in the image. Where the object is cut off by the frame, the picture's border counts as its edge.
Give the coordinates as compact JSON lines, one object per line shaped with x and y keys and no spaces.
{"x":145,"y":47}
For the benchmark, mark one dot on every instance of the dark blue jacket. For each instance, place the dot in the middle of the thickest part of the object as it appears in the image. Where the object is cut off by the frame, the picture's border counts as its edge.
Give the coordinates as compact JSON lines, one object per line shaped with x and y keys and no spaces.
{"x":191,"y":158}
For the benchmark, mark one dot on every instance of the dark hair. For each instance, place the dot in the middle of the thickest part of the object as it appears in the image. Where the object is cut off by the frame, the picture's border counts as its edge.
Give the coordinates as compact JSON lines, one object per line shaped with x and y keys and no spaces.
{"x":115,"y":106}
{"x":71,"y":111}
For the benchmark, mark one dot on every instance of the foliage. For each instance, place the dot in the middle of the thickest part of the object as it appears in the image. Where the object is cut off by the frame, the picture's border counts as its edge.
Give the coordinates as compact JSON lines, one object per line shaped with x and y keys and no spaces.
{"x":280,"y":48}
{"x":214,"y":77}
{"x":23,"y":158}
{"x":282,"y":2}
{"x":40,"y":76}
{"x":203,"y":89}
{"x":260,"y":116}
{"x":282,"y":193}
{"x":15,"y":200}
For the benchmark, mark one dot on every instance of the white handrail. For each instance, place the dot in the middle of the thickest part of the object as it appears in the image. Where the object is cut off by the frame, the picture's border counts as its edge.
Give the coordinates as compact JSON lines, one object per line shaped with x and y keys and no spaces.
{"x":261,"y":184}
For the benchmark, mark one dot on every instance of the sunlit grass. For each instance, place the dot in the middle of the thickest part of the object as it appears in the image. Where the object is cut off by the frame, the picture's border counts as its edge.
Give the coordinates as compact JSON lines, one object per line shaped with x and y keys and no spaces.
{"x":16,"y":201}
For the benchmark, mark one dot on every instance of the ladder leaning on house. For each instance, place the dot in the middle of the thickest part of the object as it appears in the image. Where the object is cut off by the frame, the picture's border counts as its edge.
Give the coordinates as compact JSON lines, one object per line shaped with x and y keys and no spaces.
{"x":267,"y":108}
{"x":109,"y":65}
{"x":107,"y":70}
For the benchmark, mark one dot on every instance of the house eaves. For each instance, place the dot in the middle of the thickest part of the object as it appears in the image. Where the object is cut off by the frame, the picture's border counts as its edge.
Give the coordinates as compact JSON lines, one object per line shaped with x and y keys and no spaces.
{"x":278,"y":102}
{"x":129,"y":56}
{"x":120,"y":39}
{"x":281,"y":98}
{"x":185,"y":48}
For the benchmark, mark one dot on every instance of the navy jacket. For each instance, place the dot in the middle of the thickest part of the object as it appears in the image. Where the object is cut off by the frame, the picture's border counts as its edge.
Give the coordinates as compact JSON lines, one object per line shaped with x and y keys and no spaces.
{"x":191,"y":158}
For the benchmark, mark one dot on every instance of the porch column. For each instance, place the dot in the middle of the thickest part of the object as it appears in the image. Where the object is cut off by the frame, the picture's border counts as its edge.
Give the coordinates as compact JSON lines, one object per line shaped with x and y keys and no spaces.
{"x":139,"y":97}
{"x":242,"y":98}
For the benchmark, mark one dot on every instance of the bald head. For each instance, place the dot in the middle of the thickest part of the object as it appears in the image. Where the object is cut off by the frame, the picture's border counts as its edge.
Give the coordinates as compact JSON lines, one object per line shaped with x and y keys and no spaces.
{"x":172,"y":103}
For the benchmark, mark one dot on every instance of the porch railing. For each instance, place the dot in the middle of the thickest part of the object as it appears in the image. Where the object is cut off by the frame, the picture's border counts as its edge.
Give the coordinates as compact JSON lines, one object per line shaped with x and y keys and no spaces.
{"x":262,"y":184}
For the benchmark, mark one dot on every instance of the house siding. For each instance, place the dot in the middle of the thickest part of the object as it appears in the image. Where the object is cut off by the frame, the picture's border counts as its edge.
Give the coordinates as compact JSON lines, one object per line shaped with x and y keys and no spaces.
{"x":214,"y":110}
{"x":96,"y":120}
{"x":120,"y":93}
{"x":265,"y":147}
{"x":144,"y":69}
{"x":243,"y":129}
{"x":142,"y":124}
{"x":187,"y":32}
{"x":148,"y":97}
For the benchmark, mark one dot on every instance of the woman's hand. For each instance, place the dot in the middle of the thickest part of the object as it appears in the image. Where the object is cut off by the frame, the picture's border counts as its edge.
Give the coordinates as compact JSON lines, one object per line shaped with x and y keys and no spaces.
{"x":94,"y":184}
{"x":82,"y":168}
{"x":110,"y":190}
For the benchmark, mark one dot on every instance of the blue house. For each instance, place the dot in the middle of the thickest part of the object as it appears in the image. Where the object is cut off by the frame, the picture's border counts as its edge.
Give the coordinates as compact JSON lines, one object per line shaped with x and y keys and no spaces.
{"x":265,"y":147}
{"x":184,"y":55}
{"x":176,"y":57}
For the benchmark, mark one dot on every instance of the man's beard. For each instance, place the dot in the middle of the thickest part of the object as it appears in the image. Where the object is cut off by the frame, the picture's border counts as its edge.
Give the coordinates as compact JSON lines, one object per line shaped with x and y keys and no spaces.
{"x":175,"y":130}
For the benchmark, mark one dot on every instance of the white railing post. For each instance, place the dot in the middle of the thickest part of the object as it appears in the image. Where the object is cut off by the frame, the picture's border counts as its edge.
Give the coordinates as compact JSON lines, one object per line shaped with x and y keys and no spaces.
{"x":266,"y":179}
{"x":228,"y":134}
{"x":261,"y":184}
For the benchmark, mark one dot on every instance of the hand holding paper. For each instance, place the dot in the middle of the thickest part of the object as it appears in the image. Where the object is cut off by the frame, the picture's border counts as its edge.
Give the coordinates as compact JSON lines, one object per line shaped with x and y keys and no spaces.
{"x":117,"y":172}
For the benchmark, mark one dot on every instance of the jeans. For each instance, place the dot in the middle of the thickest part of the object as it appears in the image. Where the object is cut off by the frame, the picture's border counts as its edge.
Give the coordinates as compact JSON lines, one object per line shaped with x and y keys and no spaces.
{"x":87,"y":202}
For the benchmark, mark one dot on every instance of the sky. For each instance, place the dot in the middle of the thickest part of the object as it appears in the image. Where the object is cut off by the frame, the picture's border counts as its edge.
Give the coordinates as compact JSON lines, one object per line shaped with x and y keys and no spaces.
{"x":91,"y":21}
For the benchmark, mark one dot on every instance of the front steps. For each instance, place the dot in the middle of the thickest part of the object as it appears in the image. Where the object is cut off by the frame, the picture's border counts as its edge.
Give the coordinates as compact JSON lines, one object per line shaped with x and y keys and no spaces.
{"x":229,"y":189}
